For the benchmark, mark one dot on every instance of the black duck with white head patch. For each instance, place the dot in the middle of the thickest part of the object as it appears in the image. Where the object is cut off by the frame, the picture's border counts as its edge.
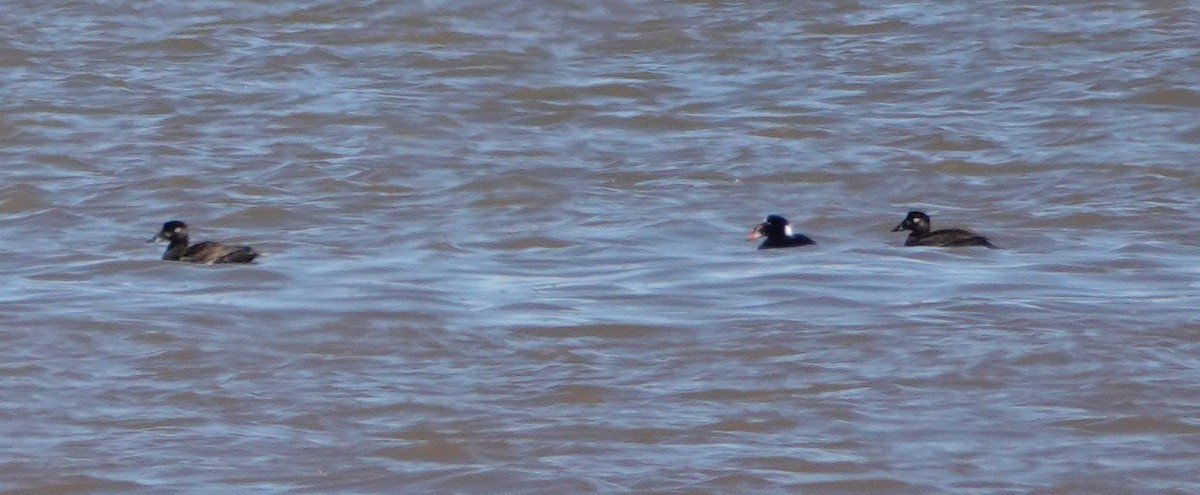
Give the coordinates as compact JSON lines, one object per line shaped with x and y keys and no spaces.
{"x":779,"y":234}
{"x":208,"y":252}
{"x":918,"y":225}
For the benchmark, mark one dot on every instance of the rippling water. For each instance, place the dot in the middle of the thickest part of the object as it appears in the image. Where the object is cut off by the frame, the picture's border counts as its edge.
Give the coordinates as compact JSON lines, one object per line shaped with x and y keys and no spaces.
{"x":505,"y":247}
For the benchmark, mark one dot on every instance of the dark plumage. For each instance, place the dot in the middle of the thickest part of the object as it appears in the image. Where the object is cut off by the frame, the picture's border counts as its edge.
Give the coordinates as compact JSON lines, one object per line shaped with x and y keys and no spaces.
{"x":176,"y":233}
{"x":778,"y":233}
{"x":919,"y":225}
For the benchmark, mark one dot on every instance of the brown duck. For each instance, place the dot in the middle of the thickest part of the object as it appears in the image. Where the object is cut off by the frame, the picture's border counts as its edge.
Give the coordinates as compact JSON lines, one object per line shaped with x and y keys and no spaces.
{"x":208,"y":252}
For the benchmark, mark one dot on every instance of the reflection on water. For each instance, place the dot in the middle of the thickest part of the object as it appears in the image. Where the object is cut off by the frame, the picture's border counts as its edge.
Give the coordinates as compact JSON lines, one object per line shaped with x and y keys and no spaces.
{"x":504,"y":248}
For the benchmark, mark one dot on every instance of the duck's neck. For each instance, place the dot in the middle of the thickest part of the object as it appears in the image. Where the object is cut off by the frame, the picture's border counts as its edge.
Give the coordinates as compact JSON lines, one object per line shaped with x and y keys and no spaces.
{"x":176,"y":249}
{"x":781,"y":234}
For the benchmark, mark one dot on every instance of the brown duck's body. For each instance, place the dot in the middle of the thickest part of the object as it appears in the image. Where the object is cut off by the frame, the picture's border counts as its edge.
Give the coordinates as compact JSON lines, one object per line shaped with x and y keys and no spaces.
{"x":208,"y":252}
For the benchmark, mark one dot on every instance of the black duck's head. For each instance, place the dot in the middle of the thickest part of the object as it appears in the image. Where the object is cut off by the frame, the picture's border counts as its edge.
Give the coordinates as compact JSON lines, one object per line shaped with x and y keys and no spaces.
{"x":773,"y":227}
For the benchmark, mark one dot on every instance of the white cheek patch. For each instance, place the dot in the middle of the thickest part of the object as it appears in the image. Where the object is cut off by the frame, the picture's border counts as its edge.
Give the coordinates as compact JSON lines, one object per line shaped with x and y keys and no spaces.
{"x":787,"y":230}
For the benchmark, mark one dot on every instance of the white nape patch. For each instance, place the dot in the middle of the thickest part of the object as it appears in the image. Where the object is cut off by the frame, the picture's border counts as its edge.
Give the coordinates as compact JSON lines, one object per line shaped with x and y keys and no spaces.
{"x":787,"y":230}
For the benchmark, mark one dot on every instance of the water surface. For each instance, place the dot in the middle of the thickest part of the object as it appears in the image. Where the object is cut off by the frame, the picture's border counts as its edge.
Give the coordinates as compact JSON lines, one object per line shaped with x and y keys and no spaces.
{"x":505,"y":247}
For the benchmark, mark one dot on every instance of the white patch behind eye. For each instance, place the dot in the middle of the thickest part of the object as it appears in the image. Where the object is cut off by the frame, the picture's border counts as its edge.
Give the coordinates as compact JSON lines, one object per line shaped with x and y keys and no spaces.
{"x":787,"y":230}
{"x":917,"y":220}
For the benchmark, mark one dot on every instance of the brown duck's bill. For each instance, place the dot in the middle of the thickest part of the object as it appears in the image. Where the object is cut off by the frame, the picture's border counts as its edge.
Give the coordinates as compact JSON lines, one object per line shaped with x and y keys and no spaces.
{"x":899,"y":227}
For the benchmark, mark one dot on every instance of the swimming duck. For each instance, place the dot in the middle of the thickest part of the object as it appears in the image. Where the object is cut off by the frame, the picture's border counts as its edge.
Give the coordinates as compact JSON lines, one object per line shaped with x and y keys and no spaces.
{"x":778,"y":233}
{"x":208,"y":252}
{"x":918,"y":223}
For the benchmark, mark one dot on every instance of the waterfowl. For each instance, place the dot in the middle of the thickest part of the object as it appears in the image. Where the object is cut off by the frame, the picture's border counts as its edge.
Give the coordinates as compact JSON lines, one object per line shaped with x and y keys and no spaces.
{"x":918,"y":225}
{"x":208,"y":252}
{"x":779,"y":234}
